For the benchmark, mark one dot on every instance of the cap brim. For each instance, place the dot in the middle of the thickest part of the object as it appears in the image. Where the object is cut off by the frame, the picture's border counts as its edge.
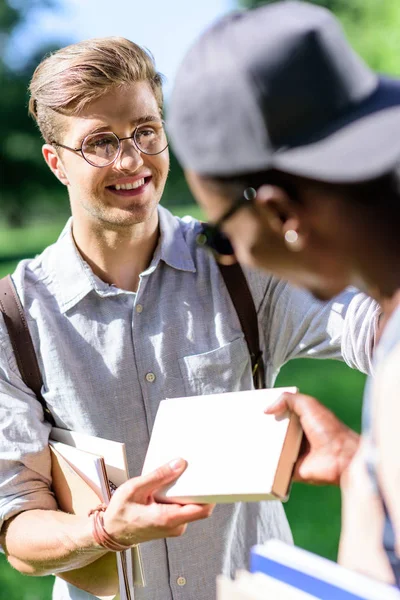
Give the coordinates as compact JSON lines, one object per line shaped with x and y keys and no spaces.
{"x":362,"y":145}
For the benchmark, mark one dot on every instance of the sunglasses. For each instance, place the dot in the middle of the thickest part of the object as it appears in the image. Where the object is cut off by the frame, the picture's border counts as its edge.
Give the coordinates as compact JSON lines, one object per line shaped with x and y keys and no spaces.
{"x":211,"y":236}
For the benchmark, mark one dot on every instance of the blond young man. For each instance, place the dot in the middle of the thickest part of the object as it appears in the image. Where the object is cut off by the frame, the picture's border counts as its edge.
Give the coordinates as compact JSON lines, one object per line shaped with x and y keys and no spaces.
{"x":125,"y":310}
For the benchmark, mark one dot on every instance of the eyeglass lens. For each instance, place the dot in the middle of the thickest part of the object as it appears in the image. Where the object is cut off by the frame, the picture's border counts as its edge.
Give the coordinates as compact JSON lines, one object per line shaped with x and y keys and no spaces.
{"x":101,"y":148}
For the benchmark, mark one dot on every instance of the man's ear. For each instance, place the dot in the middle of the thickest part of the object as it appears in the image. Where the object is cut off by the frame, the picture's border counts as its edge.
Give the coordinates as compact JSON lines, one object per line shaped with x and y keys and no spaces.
{"x":54,"y":163}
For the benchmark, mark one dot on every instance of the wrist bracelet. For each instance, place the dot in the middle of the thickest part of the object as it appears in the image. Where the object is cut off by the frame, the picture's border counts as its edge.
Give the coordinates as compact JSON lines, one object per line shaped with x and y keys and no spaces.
{"x":100,"y":535}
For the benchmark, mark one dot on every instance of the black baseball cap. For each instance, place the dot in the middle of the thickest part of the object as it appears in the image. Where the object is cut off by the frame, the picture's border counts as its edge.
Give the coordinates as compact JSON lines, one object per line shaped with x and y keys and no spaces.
{"x":279,"y":87}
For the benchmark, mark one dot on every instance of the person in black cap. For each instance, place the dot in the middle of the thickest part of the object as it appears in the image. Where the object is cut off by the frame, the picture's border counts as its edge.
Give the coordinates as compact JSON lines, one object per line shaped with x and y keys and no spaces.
{"x":291,"y":144}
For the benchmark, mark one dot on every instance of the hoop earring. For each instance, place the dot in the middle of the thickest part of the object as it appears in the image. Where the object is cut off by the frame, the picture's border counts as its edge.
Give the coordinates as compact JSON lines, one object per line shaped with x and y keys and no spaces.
{"x":293,"y":241}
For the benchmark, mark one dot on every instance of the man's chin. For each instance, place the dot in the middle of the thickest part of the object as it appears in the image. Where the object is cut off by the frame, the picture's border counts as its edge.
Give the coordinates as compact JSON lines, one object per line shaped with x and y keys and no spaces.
{"x":128,"y":216}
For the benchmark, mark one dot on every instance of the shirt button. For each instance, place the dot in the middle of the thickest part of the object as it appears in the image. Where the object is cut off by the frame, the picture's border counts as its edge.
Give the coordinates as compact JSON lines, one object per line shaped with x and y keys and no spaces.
{"x":150,"y":377}
{"x":181,"y":581}
{"x":139,"y":308}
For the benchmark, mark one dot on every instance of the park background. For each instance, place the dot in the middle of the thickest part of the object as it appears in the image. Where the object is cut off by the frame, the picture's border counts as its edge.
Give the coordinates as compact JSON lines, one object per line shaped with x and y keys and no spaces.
{"x":34,"y":207}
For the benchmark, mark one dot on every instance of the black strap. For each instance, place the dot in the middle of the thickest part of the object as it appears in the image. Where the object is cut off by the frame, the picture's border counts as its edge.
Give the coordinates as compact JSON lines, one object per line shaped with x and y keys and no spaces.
{"x":21,"y":341}
{"x":243,"y":302}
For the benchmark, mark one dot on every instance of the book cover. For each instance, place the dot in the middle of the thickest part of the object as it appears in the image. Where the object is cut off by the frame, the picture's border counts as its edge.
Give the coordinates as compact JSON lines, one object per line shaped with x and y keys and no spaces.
{"x":318,"y":576}
{"x":234,"y":451}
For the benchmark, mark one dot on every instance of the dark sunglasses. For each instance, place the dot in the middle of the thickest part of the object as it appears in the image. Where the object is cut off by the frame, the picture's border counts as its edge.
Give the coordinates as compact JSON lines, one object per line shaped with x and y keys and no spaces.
{"x":212,"y":237}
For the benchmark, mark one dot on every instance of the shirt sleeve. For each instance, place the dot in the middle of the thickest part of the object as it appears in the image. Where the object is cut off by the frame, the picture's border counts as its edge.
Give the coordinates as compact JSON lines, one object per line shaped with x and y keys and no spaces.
{"x":25,"y":464}
{"x":296,"y":325}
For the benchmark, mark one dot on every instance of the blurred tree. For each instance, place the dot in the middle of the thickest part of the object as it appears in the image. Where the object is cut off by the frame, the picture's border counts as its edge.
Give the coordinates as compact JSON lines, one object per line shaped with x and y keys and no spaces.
{"x":372,"y":27}
{"x":24,"y":175}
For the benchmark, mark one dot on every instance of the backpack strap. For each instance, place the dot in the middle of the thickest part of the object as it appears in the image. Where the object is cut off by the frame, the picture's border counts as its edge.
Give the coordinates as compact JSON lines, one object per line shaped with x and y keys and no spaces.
{"x":21,"y":341}
{"x":243,"y":302}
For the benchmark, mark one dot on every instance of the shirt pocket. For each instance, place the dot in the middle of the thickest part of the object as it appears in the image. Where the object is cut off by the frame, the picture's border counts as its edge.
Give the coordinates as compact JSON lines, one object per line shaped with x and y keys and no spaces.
{"x":225,"y":369}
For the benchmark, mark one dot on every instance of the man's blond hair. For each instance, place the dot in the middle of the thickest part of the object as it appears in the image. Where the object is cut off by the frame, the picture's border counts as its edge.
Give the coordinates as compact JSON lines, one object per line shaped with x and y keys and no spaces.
{"x":69,"y":79}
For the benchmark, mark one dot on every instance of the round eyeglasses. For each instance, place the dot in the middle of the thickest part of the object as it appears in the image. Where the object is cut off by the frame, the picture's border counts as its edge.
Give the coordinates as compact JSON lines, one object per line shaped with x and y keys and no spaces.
{"x":103,"y":148}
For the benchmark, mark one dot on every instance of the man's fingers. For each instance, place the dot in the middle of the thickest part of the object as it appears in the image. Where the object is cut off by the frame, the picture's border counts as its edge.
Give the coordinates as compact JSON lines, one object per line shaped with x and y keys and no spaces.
{"x":181,"y":514}
{"x":165,"y":474}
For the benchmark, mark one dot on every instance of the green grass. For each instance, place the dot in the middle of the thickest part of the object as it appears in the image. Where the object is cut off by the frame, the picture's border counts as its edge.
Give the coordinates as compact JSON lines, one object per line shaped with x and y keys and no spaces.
{"x":313,"y":512}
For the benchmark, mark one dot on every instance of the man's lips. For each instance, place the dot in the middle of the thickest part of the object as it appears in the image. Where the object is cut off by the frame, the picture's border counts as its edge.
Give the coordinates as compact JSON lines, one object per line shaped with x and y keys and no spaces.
{"x":129,"y":187}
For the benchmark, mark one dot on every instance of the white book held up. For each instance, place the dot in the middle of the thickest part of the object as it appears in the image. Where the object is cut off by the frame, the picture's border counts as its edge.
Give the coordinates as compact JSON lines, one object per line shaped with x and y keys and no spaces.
{"x":235,"y":452}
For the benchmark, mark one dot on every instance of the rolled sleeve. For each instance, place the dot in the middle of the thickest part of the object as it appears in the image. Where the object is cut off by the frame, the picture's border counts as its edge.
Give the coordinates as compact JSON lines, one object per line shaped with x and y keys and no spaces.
{"x":25,"y":465}
{"x":299,"y":326}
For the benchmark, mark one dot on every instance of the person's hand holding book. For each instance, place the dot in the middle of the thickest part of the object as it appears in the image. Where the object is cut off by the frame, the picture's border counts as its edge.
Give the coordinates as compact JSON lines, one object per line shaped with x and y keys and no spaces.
{"x":328,"y":444}
{"x":134,"y":516}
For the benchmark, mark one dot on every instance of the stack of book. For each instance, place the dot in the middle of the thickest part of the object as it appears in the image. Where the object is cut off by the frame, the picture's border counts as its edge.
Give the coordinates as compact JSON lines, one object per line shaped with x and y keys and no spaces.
{"x":283,"y":572}
{"x":85,"y":472}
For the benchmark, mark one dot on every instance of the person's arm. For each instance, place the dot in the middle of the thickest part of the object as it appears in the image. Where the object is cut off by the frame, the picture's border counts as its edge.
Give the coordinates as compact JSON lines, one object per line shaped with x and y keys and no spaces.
{"x":386,"y":419}
{"x":361,"y":540}
{"x":41,"y":542}
{"x":296,"y":325}
{"x":361,"y":547}
{"x":328,"y":445}
{"x":38,"y":538}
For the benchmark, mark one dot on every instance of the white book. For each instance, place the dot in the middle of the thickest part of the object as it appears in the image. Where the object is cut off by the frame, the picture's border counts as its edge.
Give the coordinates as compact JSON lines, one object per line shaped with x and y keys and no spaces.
{"x":234,"y":451}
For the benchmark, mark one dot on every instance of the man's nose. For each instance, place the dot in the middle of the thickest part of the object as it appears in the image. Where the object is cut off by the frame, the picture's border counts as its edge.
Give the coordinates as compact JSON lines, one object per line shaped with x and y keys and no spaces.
{"x":130,"y":157}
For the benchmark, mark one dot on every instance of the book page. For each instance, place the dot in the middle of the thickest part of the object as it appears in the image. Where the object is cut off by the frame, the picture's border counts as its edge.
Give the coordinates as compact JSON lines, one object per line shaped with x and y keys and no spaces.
{"x":89,"y":466}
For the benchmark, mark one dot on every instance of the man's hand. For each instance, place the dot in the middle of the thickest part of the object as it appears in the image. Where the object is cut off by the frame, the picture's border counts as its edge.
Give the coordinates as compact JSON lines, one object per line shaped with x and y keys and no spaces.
{"x":328,"y":446}
{"x":134,"y":516}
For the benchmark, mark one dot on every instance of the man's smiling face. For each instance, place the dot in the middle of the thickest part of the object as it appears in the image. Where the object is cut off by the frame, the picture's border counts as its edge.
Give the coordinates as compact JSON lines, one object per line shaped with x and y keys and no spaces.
{"x":101,"y":194}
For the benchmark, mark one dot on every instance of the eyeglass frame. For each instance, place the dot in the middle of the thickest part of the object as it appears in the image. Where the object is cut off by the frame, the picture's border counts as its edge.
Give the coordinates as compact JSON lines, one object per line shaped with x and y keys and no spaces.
{"x":129,"y":137}
{"x":211,"y":236}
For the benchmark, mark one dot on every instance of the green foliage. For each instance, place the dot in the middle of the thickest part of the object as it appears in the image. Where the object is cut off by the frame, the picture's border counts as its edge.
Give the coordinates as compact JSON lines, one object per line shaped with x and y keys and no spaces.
{"x":24,"y":176}
{"x":372,"y":27}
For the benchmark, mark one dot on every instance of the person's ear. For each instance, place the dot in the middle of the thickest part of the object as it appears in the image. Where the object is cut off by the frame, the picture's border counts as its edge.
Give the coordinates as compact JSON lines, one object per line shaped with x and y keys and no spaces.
{"x":54,"y":163}
{"x":282,"y":215}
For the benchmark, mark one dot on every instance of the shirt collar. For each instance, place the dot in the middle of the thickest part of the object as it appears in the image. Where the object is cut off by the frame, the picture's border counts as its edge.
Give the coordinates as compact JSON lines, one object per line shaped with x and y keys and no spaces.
{"x":74,"y":279}
{"x":173,"y":248}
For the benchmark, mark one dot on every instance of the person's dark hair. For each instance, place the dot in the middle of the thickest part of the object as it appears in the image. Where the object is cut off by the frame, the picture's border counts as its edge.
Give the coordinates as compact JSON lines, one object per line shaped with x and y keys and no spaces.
{"x":381,"y":192}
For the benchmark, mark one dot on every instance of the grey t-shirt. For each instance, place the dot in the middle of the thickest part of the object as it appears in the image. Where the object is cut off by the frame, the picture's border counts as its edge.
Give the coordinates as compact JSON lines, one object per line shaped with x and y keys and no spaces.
{"x":108,"y":357}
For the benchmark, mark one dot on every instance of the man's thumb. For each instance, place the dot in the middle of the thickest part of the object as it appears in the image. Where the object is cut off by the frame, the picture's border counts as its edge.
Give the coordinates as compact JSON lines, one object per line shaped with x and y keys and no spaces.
{"x":163,"y":475}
